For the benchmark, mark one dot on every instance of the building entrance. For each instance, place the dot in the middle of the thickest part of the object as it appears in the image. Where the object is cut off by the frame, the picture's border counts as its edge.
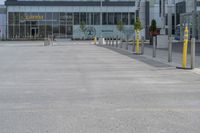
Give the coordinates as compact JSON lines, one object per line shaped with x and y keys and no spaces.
{"x":34,"y":32}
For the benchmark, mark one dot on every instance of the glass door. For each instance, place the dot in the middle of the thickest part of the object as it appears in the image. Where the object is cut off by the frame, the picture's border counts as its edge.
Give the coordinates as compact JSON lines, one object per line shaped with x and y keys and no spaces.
{"x":34,"y":32}
{"x":69,"y":25}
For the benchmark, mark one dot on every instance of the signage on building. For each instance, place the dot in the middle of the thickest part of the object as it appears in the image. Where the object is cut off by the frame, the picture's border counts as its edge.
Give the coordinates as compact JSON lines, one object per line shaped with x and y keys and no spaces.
{"x":90,"y":32}
{"x":33,"y":17}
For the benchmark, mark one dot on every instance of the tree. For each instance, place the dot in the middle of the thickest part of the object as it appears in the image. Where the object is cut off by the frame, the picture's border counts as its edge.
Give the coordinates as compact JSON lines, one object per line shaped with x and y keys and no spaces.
{"x":153,"y":28}
{"x":120,"y":26}
{"x":82,"y":27}
{"x":138,"y":25}
{"x":138,"y":28}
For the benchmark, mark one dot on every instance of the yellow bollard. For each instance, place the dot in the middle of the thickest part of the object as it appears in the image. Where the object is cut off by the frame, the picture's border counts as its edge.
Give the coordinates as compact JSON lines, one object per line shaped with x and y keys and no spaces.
{"x":185,"y":47}
{"x":137,"y":42}
{"x":95,"y":40}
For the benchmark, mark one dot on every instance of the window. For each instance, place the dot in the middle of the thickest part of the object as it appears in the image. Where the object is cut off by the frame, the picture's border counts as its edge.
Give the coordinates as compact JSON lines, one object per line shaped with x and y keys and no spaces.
{"x":96,"y":18}
{"x":88,"y":17}
{"x":105,"y":19}
{"x":11,"y":31}
{"x":76,"y":19}
{"x":110,"y":18}
{"x":49,"y":16}
{"x":56,"y":18}
{"x":125,"y":18}
{"x":118,"y":17}
{"x":92,"y":18}
{"x":83,"y":17}
{"x":132,"y":18}
{"x":11,"y":18}
{"x":16,"y":18}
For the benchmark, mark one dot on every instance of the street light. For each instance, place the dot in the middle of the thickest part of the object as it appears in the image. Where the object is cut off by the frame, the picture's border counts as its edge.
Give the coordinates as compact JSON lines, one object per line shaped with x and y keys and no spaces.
{"x":169,"y":31}
{"x":101,"y":37}
{"x":193,"y":40}
{"x":162,"y":16}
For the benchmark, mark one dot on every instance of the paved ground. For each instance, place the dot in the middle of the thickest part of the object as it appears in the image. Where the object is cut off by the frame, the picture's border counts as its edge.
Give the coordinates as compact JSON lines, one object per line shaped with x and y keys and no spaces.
{"x":162,"y":54}
{"x":82,"y":88}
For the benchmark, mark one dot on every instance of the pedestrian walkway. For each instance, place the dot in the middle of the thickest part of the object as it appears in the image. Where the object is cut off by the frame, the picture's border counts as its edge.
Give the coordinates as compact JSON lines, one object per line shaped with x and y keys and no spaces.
{"x":84,"y":88}
{"x":162,"y":54}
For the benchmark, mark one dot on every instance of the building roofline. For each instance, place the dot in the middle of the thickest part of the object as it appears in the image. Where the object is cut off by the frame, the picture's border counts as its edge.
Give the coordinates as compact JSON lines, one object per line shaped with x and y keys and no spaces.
{"x":68,"y":3}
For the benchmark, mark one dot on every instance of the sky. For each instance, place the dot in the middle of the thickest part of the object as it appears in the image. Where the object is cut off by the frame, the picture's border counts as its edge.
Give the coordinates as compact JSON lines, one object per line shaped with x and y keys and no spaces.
{"x":2,"y":2}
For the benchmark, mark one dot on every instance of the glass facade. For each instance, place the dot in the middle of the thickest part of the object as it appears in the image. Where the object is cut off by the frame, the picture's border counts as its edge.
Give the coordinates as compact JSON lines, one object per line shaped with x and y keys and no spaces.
{"x":38,"y":25}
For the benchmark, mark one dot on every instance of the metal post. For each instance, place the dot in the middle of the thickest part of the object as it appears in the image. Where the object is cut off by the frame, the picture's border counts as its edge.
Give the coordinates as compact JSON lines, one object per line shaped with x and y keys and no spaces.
{"x":193,"y":42}
{"x":112,"y":41}
{"x":194,"y":24}
{"x":133,"y":47}
{"x":169,"y":31}
{"x":127,"y":43}
{"x":182,"y":24}
{"x":170,"y":50}
{"x":121,"y":42}
{"x":117,"y":41}
{"x":163,"y":16}
{"x":154,"y":47}
{"x":101,"y":37}
{"x":142,"y":46}
{"x":195,"y":5}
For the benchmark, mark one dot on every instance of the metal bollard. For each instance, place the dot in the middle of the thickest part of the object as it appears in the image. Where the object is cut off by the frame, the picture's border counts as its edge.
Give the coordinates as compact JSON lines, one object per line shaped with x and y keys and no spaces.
{"x":95,"y":40}
{"x":45,"y":41}
{"x":133,"y":47}
{"x":142,"y":46}
{"x":170,"y":50}
{"x":112,"y":41}
{"x":121,"y":43}
{"x":126,"y":45}
{"x":117,"y":41}
{"x":154,"y":47}
{"x":193,"y":54}
{"x":106,"y":41}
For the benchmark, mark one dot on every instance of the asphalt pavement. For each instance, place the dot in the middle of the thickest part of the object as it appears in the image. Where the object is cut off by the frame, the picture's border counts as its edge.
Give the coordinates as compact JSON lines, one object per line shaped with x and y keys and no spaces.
{"x":83,"y":88}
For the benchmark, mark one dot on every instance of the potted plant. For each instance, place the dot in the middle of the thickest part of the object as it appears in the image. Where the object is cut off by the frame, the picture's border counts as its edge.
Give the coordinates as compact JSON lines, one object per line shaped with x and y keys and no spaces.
{"x":153,"y":31}
{"x":120,"y":27}
{"x":138,"y":27}
{"x":82,"y":27}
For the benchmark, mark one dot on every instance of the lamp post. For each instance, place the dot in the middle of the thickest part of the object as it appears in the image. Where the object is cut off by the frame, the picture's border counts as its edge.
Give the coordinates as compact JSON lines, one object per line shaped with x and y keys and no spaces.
{"x":101,"y":37}
{"x":169,"y":31}
{"x":193,"y":40}
{"x":162,"y":16}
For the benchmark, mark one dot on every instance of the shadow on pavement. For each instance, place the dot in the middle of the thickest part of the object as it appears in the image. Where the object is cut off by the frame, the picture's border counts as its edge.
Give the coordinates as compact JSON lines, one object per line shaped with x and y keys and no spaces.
{"x":148,"y":61}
